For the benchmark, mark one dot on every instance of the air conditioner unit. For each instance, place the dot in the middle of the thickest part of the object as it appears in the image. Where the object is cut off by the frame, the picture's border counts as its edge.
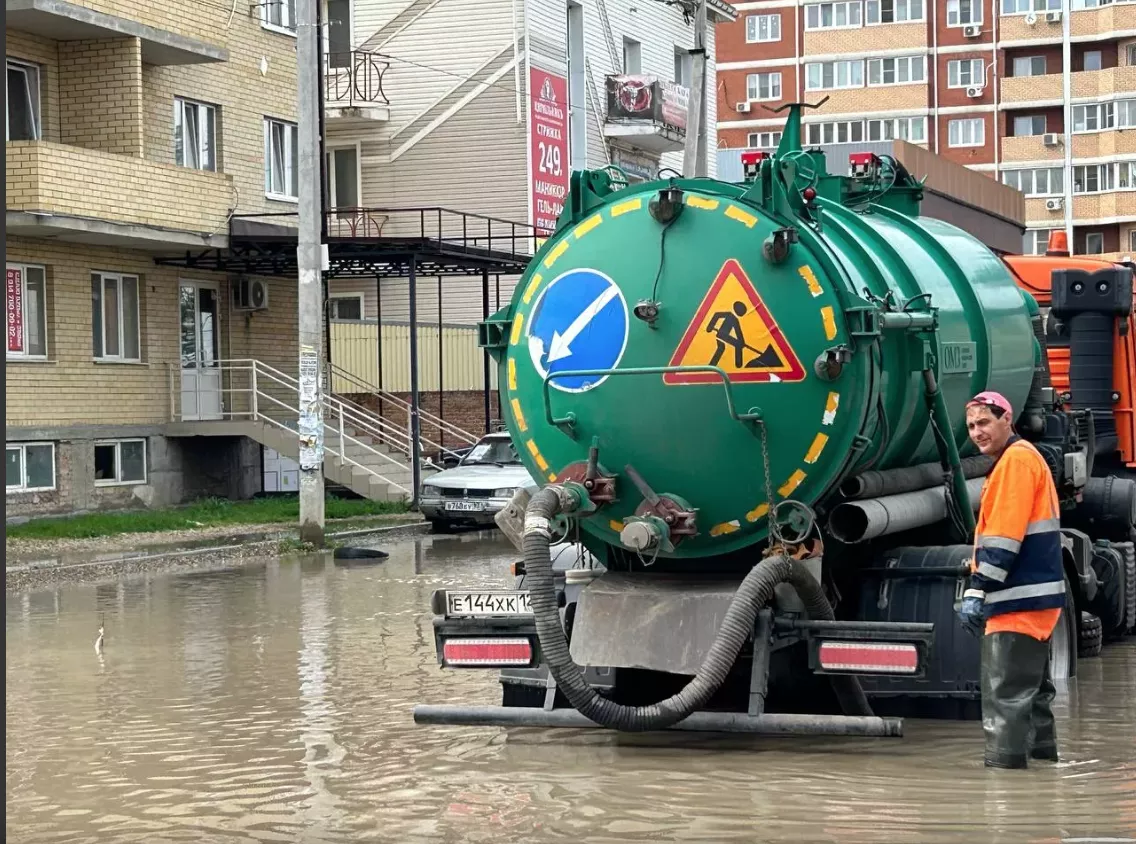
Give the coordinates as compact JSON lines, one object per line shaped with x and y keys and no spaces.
{"x":974,"y":90}
{"x":1051,"y":139}
{"x":972,"y":31}
{"x":1031,"y":19}
{"x":1055,"y":204}
{"x":250,"y":294}
{"x":1053,"y":17}
{"x":742,"y":107}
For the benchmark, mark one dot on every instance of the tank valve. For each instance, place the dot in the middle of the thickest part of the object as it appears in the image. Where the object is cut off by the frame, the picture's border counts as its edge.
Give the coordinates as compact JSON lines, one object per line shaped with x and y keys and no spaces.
{"x":641,"y":536}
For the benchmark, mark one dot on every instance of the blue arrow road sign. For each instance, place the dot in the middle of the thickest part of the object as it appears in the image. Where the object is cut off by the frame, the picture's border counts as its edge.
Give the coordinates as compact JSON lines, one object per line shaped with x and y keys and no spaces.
{"x":579,"y":322}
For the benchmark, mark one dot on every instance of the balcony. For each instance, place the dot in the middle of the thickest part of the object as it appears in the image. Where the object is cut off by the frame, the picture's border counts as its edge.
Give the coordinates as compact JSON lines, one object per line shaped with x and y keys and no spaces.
{"x":1100,"y":83}
{"x":646,"y":113}
{"x":1100,"y":144}
{"x":101,"y":19}
{"x":353,"y":88}
{"x":1031,"y":148}
{"x":1104,"y":207}
{"x":88,"y":196}
{"x":1031,"y":89}
{"x":1103,"y":20}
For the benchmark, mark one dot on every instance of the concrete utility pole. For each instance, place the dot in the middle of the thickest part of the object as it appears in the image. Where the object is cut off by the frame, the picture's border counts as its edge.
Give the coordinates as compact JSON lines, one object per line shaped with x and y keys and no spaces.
{"x":694,"y":153}
{"x":309,"y":262}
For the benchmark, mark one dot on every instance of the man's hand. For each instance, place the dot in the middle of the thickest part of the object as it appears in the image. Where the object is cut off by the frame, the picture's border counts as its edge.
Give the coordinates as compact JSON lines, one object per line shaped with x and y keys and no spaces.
{"x":972,"y":613}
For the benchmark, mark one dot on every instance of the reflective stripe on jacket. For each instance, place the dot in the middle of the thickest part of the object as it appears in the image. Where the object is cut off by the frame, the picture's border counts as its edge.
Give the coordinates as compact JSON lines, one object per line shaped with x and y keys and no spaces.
{"x":1017,"y":543}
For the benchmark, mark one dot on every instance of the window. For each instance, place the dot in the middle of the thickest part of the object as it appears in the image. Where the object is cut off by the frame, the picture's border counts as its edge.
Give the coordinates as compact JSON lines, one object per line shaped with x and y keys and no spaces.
{"x":1130,"y":54}
{"x":341,"y":186}
{"x":1092,"y":60}
{"x":29,"y":466}
{"x":280,"y":159}
{"x":684,"y":70}
{"x":1098,"y":117}
{"x":839,"y":132}
{"x":346,"y":306}
{"x":195,"y":135}
{"x":1045,"y":181}
{"x":1036,"y":241}
{"x":820,"y":76}
{"x":1090,"y":4}
{"x":1029,"y":66}
{"x":964,"y":12}
{"x":904,"y":70}
{"x":279,"y":15}
{"x":763,"y":86}
{"x":832,"y":15}
{"x":338,"y":33}
{"x":21,"y":122}
{"x":763,"y":140}
{"x":894,"y":11}
{"x":969,"y":132}
{"x":1094,"y":243}
{"x":1126,"y":175}
{"x":632,"y":56}
{"x":120,"y":462}
{"x":26,"y":311}
{"x":114,"y":317}
{"x":913,"y":129}
{"x":1132,"y":240}
{"x":1021,"y":7}
{"x":763,"y":28}
{"x":962,"y":73}
{"x":1094,"y":178}
{"x":1030,"y":124}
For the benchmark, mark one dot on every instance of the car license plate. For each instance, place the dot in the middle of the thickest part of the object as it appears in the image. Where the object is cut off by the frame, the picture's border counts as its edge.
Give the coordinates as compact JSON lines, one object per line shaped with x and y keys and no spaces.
{"x":487,"y":603}
{"x":465,"y":506}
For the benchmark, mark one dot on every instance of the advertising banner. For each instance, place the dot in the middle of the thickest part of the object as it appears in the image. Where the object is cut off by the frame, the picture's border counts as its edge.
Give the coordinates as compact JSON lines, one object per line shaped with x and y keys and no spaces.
{"x":15,"y":304}
{"x":548,"y":141}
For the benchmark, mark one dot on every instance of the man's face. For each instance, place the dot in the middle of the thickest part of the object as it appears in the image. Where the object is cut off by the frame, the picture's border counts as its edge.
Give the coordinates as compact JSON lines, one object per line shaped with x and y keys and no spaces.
{"x":987,"y":432}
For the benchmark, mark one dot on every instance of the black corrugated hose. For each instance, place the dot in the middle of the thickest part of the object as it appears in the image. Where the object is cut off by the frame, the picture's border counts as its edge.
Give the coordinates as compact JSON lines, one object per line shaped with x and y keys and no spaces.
{"x":755,"y":591}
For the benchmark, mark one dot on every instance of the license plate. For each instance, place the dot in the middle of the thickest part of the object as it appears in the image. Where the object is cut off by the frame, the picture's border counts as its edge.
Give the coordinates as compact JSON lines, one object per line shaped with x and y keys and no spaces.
{"x":465,"y":506}
{"x":487,"y":603}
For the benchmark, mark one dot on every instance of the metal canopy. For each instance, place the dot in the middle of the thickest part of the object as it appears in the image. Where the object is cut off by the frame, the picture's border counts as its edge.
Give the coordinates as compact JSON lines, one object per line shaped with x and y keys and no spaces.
{"x":373,"y":243}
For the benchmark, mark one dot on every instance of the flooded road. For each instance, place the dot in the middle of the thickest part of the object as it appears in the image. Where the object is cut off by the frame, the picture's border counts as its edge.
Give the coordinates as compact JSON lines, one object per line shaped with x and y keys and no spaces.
{"x":273,"y":703}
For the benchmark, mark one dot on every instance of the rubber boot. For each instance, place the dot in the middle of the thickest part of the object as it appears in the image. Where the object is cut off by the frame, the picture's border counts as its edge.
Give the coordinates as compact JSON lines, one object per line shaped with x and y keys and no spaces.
{"x":1044,"y":727}
{"x":1013,"y":668}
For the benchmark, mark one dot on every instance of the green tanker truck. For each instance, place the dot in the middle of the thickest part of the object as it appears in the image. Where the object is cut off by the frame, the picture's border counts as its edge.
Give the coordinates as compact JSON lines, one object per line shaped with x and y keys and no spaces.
{"x":742,"y":407}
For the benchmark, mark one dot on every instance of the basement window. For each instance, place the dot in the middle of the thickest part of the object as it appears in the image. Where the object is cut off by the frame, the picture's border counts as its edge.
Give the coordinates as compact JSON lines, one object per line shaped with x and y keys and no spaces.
{"x":120,"y":462}
{"x":22,"y":121}
{"x":29,"y":467}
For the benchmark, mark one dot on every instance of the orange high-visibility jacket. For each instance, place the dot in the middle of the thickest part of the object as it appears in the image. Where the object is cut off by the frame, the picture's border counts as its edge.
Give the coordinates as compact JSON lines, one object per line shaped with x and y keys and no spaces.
{"x":1016,"y":568}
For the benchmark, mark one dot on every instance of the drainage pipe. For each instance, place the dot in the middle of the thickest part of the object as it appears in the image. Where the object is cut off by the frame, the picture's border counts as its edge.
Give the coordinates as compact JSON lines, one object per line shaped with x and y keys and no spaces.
{"x":857,"y":521}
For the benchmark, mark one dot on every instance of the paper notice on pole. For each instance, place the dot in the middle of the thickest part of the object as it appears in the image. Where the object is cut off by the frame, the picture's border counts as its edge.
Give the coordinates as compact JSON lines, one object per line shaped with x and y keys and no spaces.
{"x":310,"y":423}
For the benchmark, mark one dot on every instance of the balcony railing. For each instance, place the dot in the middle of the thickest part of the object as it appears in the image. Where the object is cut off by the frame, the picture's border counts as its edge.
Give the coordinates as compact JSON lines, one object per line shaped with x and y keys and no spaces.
{"x":355,"y":79}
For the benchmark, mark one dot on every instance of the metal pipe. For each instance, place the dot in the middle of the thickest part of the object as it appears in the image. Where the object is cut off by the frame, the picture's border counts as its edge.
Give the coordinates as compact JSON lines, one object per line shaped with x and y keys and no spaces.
{"x":877,"y":483}
{"x":856,"y":521}
{"x":701,"y":722}
{"x":415,"y":421}
{"x":948,"y":449}
{"x":822,"y":626}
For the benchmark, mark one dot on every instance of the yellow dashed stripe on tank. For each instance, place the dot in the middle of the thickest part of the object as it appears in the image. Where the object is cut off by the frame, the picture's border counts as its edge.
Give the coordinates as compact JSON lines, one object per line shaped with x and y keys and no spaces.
{"x":725,"y":528}
{"x":757,"y":512}
{"x":616,"y":526}
{"x":520,"y":417}
{"x":541,"y":463}
{"x":557,"y":250}
{"x":811,"y":280}
{"x":819,"y":442}
{"x":552,"y":477}
{"x":518,"y":323}
{"x":534,"y":283}
{"x":791,"y":484}
{"x":624,"y":207}
{"x":512,"y":374}
{"x":743,"y":217}
{"x":587,"y":225}
{"x":829,"y":317}
{"x":702,"y":202}
{"x":830,"y":406}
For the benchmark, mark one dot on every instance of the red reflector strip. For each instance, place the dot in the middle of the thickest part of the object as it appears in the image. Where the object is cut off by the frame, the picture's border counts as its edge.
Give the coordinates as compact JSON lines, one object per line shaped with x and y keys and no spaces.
{"x":487,"y":652}
{"x":869,"y":657}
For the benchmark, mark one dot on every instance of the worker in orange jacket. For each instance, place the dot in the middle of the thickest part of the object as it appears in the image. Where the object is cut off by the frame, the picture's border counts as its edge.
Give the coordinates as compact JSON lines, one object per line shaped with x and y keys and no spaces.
{"x":1016,"y":589}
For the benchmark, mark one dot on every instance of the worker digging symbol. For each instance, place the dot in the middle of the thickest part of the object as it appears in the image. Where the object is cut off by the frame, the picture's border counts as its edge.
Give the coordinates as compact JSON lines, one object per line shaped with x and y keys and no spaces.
{"x":734,"y":331}
{"x":728,"y":328}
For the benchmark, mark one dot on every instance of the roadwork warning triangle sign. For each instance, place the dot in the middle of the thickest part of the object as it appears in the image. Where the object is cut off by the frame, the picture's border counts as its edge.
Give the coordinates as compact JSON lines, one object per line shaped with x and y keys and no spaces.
{"x":734,"y":331}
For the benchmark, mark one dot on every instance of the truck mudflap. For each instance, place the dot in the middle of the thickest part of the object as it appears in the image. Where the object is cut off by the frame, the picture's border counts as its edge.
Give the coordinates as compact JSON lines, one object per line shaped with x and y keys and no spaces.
{"x":497,"y":630}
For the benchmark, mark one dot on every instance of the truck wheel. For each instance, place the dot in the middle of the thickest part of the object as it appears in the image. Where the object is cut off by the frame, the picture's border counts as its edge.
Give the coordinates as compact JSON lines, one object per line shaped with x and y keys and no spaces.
{"x":1063,"y":642}
{"x":1129,"y":551}
{"x":1108,"y":604}
{"x":1091,"y":636}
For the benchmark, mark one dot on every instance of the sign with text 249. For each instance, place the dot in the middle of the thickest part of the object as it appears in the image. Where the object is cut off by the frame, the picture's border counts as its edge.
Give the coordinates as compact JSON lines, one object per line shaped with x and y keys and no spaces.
{"x":548,"y":137}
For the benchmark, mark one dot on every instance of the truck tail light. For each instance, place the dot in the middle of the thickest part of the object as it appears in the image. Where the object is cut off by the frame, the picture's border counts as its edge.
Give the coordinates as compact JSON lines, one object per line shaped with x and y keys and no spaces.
{"x":869,"y":657}
{"x":487,"y":653}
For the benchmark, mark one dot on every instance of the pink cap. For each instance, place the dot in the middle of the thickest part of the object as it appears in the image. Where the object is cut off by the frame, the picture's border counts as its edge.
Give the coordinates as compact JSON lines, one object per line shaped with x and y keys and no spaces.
{"x":991,"y":399}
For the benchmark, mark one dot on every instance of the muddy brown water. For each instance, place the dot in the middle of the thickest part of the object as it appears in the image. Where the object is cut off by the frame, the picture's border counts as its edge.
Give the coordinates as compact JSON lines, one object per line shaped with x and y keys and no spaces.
{"x":272,"y":703}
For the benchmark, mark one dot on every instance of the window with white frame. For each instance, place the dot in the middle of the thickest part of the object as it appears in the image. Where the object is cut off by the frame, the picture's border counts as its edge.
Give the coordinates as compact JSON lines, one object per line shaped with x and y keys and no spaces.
{"x":195,"y":134}
{"x":279,"y":15}
{"x":346,"y":306}
{"x":966,"y":132}
{"x":26,"y":311}
{"x":1041,"y":181}
{"x":632,"y":56}
{"x":120,"y":462}
{"x":913,"y":129}
{"x":1021,"y":7}
{"x":1130,"y":55}
{"x":281,"y":159}
{"x":962,"y":73}
{"x":763,"y":140}
{"x":1097,"y":117}
{"x":893,"y":11}
{"x":823,"y":76}
{"x":964,"y":12}
{"x":1092,"y":60}
{"x":683,"y":66}
{"x":761,"y":28}
{"x":1029,"y":66}
{"x":902,"y":70}
{"x":21,"y":120}
{"x":29,"y":467}
{"x":1094,"y":243}
{"x":1094,"y":178}
{"x":1092,"y":4}
{"x":835,"y":132}
{"x":1132,"y":240}
{"x":115,"y":322}
{"x":1027,"y":125}
{"x":763,"y":86}
{"x":1126,"y":175}
{"x":843,"y":15}
{"x":1036,"y":241}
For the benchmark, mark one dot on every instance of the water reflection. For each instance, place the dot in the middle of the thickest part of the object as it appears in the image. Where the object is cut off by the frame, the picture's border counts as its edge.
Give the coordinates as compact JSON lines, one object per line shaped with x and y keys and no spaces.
{"x":272,"y":703}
